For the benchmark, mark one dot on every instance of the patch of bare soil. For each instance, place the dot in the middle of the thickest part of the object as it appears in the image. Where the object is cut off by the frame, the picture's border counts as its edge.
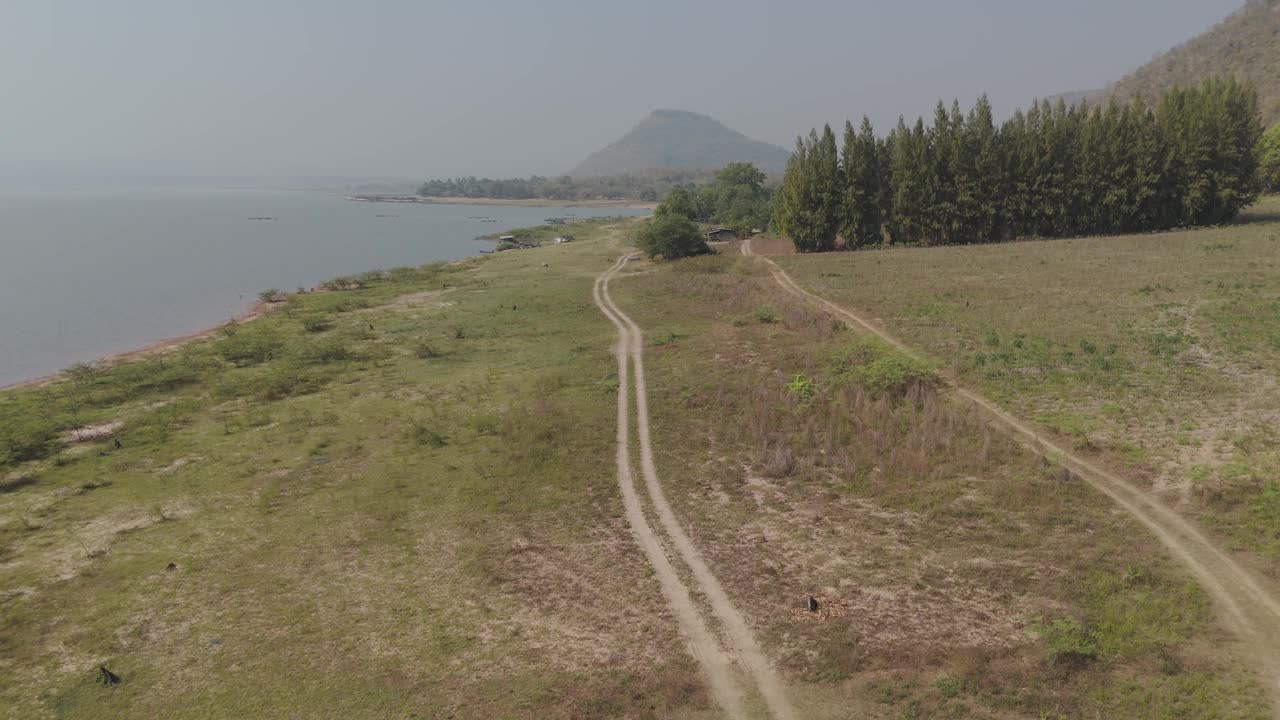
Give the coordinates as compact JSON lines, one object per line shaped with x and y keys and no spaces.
{"x":92,"y":432}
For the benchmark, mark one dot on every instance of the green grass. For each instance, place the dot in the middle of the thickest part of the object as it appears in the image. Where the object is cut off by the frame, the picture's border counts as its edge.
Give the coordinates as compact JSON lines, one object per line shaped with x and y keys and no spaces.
{"x":1157,"y":350}
{"x":386,"y":501}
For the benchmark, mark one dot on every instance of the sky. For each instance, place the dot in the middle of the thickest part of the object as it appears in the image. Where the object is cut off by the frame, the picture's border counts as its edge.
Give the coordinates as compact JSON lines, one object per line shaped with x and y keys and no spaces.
{"x":422,"y":89}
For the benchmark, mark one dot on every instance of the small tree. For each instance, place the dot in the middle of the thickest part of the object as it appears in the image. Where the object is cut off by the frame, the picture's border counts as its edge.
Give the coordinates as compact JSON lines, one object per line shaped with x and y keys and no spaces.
{"x":671,"y":236}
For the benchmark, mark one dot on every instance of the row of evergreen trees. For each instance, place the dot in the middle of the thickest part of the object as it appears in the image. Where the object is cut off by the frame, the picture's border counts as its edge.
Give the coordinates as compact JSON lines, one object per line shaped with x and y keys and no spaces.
{"x":1052,"y":171}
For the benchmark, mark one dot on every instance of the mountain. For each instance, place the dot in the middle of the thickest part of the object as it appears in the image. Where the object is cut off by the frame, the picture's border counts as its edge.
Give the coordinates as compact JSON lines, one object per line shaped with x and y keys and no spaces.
{"x":680,"y":139}
{"x":1246,"y":45}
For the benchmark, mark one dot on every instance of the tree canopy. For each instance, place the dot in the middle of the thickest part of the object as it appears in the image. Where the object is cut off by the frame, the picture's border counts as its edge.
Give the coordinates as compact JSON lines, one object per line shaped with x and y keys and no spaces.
{"x":1051,"y":171}
{"x":671,"y":235}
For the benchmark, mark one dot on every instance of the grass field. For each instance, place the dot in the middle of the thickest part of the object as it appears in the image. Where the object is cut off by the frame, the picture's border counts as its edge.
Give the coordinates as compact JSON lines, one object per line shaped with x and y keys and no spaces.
{"x":959,"y":575}
{"x":383,"y":502}
{"x":398,"y":500}
{"x":1159,"y":352}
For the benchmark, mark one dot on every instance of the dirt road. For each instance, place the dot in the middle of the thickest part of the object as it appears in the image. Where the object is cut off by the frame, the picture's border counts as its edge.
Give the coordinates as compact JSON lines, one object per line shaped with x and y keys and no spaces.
{"x":733,"y":626}
{"x":1246,"y":605}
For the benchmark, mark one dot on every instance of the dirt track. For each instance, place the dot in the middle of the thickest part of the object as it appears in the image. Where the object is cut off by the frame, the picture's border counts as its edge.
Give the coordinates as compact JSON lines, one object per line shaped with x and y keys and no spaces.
{"x":629,"y":351}
{"x":1246,"y":605}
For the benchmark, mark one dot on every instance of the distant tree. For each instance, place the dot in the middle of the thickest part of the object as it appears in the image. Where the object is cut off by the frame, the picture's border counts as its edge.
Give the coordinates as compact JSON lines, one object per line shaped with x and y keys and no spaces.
{"x":790,"y":202}
{"x":1269,"y":160}
{"x":671,"y":235}
{"x":984,"y":175}
{"x":860,"y":159}
{"x":909,"y":174}
{"x":681,"y":201}
{"x":810,"y":203}
{"x":738,"y":197}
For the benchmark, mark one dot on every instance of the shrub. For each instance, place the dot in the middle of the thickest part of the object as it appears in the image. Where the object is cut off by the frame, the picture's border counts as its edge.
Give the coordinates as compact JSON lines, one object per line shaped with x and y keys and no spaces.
{"x":245,"y":349}
{"x":425,"y":350}
{"x":765,"y":315}
{"x":316,"y":324}
{"x":671,"y":236}
{"x":324,"y":352}
{"x":424,"y":434}
{"x":31,"y":440}
{"x":801,"y":387}
{"x":878,"y":368}
{"x":270,"y":295}
{"x":1069,"y":642}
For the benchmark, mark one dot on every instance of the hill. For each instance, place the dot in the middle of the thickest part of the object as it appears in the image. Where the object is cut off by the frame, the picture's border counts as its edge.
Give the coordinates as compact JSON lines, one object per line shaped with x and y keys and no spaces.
{"x":680,"y":139}
{"x":1245,"y":45}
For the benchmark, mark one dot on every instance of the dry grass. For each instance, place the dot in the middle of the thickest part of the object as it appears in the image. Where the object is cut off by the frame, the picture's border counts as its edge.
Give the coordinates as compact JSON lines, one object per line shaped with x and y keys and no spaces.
{"x":1157,"y":353}
{"x":943,"y":553}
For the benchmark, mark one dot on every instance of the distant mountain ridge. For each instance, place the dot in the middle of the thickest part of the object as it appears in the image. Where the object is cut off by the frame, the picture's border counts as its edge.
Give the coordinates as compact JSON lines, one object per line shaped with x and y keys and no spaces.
{"x":680,"y":139}
{"x":1246,"y":45}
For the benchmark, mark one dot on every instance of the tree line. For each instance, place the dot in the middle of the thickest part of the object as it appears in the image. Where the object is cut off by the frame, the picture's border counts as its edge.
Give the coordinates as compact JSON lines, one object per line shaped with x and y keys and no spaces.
{"x":1051,"y":171}
{"x":646,"y":186}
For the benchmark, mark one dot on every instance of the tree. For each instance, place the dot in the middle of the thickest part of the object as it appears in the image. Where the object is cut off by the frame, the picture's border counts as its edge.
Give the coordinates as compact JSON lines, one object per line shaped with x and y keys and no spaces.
{"x":809,"y":204}
{"x":1198,"y":157}
{"x":738,"y":197}
{"x":789,"y":203}
{"x":681,"y":201}
{"x":1269,"y":159}
{"x":862,"y":178}
{"x":671,"y":235}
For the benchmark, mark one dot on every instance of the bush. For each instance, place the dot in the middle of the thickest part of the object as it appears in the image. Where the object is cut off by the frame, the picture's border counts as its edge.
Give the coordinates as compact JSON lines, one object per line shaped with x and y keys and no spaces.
{"x":245,"y":349}
{"x":271,"y":295}
{"x":1069,"y":642}
{"x":316,"y":324}
{"x":30,"y":440}
{"x":323,"y":352}
{"x":425,"y":350}
{"x":671,"y":236}
{"x":879,"y":368}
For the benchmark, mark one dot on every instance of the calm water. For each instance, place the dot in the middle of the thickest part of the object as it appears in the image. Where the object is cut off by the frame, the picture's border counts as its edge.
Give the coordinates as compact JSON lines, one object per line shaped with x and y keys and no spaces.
{"x":89,"y":273}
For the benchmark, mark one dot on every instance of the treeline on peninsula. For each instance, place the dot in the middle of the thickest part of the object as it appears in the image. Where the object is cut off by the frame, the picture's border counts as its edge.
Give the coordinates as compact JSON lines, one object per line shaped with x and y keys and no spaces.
{"x":646,"y":186}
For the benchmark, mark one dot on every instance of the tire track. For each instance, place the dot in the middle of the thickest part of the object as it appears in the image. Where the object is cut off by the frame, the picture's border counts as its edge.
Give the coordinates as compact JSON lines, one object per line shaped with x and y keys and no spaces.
{"x":702,"y":644}
{"x":731,"y":620}
{"x":1249,"y":609}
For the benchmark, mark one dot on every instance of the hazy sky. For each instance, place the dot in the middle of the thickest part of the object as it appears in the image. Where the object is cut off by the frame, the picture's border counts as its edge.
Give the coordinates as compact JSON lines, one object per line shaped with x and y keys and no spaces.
{"x":428,"y":89}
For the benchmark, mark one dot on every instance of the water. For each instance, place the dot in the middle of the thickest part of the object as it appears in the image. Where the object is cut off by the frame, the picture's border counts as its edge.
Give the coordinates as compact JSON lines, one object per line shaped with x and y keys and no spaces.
{"x":85,"y":274}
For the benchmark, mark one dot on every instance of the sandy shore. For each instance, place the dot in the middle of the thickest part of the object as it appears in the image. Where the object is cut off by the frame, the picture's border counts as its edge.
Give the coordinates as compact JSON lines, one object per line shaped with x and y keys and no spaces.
{"x":253,"y":312}
{"x":531,"y":202}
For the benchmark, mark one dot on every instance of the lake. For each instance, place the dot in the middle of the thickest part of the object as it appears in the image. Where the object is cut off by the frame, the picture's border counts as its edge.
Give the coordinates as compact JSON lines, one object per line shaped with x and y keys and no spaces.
{"x":84,"y":274}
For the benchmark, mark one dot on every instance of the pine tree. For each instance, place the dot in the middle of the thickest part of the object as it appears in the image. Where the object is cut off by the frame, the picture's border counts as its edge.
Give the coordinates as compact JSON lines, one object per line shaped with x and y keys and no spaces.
{"x":905,"y":173}
{"x":1053,"y":171}
{"x":789,"y":203}
{"x":826,"y":190}
{"x":862,"y":177}
{"x":984,"y":162}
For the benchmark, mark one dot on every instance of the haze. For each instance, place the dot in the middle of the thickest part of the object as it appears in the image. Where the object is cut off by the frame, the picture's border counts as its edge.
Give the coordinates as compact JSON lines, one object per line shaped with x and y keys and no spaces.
{"x":415,"y":90}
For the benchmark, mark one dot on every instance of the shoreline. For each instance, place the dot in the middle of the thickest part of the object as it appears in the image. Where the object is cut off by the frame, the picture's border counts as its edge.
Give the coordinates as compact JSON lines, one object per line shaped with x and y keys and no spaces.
{"x":255,"y":310}
{"x":528,"y":202}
